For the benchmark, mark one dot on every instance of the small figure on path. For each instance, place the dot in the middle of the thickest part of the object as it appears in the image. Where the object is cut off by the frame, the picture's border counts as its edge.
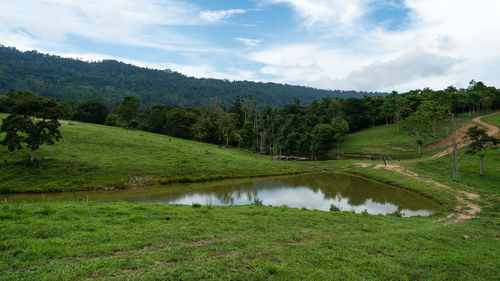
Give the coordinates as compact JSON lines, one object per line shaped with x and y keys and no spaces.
{"x":385,"y":161}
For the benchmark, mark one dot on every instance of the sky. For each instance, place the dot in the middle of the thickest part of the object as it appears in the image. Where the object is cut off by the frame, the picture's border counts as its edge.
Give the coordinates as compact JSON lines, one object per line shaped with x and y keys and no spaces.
{"x":369,"y":45}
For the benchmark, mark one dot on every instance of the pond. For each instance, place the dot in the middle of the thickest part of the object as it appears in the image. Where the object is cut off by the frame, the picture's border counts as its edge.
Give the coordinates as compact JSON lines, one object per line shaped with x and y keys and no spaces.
{"x":311,"y":191}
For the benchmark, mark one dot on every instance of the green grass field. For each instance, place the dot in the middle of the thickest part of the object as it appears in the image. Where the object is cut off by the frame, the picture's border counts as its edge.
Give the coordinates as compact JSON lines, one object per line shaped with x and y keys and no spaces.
{"x":144,"y":241}
{"x":387,"y":141}
{"x":495,"y":120}
{"x":93,"y":156}
{"x":76,"y":241}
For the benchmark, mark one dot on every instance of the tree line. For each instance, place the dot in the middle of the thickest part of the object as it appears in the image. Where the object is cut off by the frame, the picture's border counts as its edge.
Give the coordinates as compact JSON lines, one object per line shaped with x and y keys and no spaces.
{"x":309,"y":130}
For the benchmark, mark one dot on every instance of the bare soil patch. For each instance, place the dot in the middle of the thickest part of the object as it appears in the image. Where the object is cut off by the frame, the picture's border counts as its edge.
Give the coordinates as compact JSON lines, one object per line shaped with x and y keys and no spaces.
{"x":492,"y":130}
{"x":466,"y":208}
{"x":448,"y":140}
{"x":403,"y":149}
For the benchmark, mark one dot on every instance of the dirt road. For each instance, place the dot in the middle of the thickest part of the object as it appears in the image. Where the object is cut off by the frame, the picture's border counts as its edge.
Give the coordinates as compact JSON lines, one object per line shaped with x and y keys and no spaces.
{"x":467,"y":202}
{"x":492,"y":131}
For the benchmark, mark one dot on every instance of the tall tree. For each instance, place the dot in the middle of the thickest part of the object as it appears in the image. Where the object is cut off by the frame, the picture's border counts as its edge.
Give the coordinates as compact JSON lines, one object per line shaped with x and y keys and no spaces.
{"x":454,"y":153}
{"x":226,"y":127}
{"x":91,"y":111}
{"x":435,"y":112}
{"x":127,"y":109}
{"x":419,"y":124}
{"x":33,"y":122}
{"x":479,"y":143}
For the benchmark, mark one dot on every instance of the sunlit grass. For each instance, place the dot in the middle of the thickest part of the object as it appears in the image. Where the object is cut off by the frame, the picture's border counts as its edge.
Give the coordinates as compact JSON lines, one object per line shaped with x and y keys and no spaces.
{"x":94,"y":156}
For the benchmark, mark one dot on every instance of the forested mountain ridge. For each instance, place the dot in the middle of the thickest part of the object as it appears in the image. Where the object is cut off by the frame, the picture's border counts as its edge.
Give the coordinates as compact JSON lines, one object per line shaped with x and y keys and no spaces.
{"x":110,"y":81}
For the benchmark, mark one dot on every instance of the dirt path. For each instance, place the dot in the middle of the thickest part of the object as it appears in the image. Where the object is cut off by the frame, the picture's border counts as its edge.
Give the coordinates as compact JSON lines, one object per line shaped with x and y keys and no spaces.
{"x":466,"y":208}
{"x":60,"y":121}
{"x":448,"y":140}
{"x":492,"y":131}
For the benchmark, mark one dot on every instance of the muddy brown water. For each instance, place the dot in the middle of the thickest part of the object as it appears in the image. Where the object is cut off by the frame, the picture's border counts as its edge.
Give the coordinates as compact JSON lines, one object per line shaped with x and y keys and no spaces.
{"x":311,"y":191}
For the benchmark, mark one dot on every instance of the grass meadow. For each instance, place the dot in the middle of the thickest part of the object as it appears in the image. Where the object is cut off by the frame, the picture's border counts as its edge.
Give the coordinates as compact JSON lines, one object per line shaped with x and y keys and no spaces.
{"x":93,"y":156}
{"x":79,"y":240}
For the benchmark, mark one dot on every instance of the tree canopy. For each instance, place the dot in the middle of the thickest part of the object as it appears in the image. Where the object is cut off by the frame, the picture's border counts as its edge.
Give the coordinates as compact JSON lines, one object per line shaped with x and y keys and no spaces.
{"x":111,"y":81}
{"x":32,"y":122}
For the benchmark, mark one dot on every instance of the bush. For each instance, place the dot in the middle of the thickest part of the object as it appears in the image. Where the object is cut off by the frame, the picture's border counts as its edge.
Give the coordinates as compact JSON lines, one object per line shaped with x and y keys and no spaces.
{"x":45,"y":210}
{"x":257,"y":202}
{"x":111,"y":120}
{"x":397,"y":213}
{"x":334,"y":208}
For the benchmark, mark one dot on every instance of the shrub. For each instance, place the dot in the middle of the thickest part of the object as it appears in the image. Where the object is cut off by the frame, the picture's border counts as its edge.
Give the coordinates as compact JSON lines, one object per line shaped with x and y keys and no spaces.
{"x":397,"y":213}
{"x":45,"y":210}
{"x":257,"y":202}
{"x":334,"y":208}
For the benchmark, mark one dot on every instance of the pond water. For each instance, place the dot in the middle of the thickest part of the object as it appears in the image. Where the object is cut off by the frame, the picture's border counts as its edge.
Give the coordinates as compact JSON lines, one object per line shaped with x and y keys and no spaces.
{"x":312,"y":191}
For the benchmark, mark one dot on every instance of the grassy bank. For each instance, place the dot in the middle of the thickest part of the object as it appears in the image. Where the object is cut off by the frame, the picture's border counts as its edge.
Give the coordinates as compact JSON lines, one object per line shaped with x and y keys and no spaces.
{"x":92,"y":156}
{"x":75,"y":240}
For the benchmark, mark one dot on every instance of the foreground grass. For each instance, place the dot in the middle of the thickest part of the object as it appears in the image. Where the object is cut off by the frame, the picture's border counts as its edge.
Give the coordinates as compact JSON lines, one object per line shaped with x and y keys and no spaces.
{"x":75,"y":240}
{"x":87,"y":240}
{"x":92,"y":156}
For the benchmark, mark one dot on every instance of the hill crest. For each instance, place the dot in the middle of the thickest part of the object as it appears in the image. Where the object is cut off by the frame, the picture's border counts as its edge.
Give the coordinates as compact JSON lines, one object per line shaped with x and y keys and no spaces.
{"x":111,"y":80}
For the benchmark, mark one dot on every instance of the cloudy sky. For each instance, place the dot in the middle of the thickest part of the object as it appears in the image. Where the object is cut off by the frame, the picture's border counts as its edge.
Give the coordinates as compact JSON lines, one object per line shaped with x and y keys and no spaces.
{"x":376,"y":45}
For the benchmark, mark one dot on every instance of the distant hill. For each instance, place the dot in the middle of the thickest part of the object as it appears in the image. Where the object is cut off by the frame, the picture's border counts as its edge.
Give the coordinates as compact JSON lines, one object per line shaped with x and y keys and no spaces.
{"x":110,"y":81}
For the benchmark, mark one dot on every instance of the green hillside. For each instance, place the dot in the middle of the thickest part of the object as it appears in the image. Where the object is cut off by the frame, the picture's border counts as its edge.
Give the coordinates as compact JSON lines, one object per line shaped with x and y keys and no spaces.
{"x":494,"y":119}
{"x":388,"y":141}
{"x":94,"y":156}
{"x":110,"y":81}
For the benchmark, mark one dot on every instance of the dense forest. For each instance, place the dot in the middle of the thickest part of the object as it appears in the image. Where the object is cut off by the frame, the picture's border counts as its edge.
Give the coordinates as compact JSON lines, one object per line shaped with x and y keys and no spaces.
{"x":309,"y":130}
{"x":111,"y":81}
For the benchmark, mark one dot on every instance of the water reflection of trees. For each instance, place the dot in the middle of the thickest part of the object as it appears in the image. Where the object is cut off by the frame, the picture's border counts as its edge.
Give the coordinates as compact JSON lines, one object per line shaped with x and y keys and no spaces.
{"x":333,"y":187}
{"x":357,"y":190}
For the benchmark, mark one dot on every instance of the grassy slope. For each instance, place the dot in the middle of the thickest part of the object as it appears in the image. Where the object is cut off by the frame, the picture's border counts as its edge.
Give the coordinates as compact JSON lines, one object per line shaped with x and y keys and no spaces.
{"x":76,"y":240}
{"x":495,"y":120}
{"x":93,"y":156}
{"x":386,"y":140}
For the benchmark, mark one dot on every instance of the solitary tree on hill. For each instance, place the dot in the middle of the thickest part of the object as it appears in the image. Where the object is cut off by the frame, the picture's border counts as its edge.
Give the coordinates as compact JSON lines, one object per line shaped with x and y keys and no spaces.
{"x":420,"y":126}
{"x":480,"y":142}
{"x":33,"y":122}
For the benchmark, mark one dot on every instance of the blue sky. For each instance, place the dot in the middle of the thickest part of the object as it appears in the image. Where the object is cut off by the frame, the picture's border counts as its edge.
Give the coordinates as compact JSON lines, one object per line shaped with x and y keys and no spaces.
{"x":376,"y":45}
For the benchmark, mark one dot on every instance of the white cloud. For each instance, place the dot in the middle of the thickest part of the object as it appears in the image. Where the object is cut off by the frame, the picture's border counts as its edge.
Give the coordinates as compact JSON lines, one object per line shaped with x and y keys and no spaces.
{"x":218,"y":15}
{"x":117,"y":21}
{"x":207,"y":71}
{"x":443,"y":42}
{"x":328,"y":13}
{"x":249,"y":42}
{"x":411,"y":66}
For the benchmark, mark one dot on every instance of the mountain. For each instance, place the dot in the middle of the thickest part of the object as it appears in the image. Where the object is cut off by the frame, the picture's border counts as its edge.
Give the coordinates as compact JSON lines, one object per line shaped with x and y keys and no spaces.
{"x":110,"y":80}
